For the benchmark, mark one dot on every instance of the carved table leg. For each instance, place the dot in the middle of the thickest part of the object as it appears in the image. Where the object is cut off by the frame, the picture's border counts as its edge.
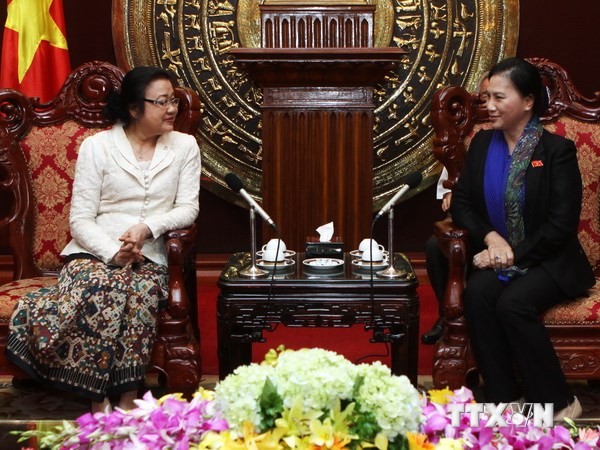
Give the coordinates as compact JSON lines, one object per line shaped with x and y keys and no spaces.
{"x":239,"y":354}
{"x":405,"y":351}
{"x":232,"y":352}
{"x":412,"y":358}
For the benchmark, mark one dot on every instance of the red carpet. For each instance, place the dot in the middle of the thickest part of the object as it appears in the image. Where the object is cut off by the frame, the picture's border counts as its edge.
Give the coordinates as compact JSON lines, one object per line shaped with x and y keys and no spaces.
{"x":352,"y":342}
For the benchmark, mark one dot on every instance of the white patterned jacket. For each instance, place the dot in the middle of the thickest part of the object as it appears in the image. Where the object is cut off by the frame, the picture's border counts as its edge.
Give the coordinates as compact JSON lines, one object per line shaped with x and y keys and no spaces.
{"x":111,"y":193}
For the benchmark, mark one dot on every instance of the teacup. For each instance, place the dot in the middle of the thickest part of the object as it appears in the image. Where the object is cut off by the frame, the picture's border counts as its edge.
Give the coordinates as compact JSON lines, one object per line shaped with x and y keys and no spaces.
{"x":366,"y":244}
{"x":270,"y":254}
{"x":272,"y":245}
{"x":374,"y":253}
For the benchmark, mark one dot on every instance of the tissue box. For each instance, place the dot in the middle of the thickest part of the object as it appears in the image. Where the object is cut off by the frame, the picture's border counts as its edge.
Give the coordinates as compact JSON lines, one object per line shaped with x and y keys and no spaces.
{"x":317,"y":249}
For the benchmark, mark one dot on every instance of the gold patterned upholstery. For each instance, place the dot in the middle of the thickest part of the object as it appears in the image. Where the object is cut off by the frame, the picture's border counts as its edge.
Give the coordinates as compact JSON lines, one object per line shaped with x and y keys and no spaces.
{"x":51,"y":153}
{"x":587,"y":139}
{"x":574,"y":327}
{"x":38,"y":152}
{"x":583,"y":309}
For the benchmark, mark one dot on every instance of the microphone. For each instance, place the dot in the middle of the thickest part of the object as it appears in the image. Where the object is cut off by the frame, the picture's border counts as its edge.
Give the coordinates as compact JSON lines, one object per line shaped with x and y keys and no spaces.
{"x":235,"y":184}
{"x":410,"y":181}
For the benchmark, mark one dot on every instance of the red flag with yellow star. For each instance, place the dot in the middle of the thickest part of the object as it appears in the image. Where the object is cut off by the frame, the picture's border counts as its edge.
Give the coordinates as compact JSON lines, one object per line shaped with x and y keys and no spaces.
{"x":35,"y":58}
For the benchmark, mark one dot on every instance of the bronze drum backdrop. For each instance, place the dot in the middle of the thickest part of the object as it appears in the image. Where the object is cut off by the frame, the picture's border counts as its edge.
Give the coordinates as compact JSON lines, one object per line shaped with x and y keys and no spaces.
{"x":449,"y":42}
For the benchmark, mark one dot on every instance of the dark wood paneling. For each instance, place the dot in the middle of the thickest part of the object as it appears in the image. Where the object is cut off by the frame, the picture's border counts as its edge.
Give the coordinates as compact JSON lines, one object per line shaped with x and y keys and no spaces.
{"x":317,"y":26}
{"x":306,"y":192}
{"x":565,"y":33}
{"x":89,"y":33}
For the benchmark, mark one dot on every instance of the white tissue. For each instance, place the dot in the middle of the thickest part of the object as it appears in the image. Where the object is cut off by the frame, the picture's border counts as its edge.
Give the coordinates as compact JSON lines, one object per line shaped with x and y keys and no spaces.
{"x":325,"y":232}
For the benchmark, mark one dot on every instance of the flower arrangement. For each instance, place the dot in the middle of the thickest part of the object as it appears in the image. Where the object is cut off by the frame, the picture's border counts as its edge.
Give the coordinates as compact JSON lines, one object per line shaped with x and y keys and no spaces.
{"x":170,"y":422}
{"x":437,"y":430}
{"x":314,"y":398}
{"x":309,"y":399}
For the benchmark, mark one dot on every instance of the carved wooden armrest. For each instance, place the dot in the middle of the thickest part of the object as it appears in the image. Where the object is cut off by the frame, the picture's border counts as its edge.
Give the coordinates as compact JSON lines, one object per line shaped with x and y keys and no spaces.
{"x":180,"y":246}
{"x":454,"y":244}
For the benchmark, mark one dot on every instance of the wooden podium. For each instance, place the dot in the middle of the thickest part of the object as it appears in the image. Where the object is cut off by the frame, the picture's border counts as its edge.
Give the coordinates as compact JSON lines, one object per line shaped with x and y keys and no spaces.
{"x":317,"y":116}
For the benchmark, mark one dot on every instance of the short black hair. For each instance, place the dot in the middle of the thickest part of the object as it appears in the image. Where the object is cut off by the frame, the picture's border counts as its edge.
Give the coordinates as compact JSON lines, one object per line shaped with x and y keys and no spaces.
{"x":132,"y":92}
{"x":527,"y":80}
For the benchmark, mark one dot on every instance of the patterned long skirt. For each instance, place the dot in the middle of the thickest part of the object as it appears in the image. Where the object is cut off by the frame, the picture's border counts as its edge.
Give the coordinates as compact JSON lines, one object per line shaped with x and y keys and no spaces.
{"x":93,"y":332}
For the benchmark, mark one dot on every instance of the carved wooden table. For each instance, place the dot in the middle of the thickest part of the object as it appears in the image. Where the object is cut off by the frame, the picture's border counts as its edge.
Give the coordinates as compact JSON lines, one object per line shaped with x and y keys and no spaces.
{"x":301,"y":298}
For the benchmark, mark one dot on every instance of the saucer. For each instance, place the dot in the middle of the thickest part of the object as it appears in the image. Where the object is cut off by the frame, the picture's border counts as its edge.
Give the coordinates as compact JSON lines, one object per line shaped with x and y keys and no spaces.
{"x":358,"y":253}
{"x":362,"y":266}
{"x":286,"y":264}
{"x":323,"y":265}
{"x":286,"y":253}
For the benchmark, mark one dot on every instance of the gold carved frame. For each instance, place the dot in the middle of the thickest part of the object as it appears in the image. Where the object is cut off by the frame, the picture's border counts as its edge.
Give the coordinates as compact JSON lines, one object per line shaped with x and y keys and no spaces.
{"x":449,"y":42}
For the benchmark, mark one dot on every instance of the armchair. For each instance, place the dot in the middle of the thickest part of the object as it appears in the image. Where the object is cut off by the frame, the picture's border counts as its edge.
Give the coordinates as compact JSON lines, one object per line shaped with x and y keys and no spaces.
{"x":38,"y":150}
{"x":574,"y":327}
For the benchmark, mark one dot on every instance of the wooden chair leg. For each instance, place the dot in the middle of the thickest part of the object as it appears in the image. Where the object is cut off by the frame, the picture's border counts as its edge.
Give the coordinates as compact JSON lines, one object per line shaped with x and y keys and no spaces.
{"x":453,"y":364}
{"x":182,"y":368}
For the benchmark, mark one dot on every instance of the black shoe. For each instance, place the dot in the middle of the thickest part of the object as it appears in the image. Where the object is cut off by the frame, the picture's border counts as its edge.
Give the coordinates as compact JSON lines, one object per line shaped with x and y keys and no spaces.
{"x":433,"y":335}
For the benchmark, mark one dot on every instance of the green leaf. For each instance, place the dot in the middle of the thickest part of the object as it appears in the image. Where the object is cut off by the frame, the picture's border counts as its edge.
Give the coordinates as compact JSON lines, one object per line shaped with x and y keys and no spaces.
{"x":357,"y":384}
{"x":271,"y":405}
{"x":363,"y":424}
{"x":400,"y":442}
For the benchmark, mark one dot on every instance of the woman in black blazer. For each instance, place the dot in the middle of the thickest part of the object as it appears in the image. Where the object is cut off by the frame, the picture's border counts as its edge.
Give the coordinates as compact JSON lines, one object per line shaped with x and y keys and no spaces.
{"x":519,"y":196}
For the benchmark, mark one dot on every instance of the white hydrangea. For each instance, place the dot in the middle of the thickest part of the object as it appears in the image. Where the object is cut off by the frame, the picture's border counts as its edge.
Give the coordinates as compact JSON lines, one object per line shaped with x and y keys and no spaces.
{"x":392,"y":399}
{"x":237,"y":396}
{"x":318,"y":376}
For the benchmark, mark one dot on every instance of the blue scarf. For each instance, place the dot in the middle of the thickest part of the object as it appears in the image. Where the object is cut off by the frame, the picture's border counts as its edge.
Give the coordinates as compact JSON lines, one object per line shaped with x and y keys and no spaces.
{"x":504,"y":186}
{"x":497,"y":164}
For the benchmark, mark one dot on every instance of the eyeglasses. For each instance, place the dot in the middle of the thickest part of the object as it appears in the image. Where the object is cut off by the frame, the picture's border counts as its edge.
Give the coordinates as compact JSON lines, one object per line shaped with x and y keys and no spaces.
{"x":165,"y":103}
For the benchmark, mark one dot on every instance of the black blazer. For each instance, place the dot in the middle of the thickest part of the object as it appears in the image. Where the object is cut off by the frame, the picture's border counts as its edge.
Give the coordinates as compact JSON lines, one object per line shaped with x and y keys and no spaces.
{"x":551,"y":211}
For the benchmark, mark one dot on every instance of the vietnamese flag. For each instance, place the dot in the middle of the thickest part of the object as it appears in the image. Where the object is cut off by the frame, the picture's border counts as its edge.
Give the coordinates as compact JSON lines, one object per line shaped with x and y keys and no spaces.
{"x":35,"y":58}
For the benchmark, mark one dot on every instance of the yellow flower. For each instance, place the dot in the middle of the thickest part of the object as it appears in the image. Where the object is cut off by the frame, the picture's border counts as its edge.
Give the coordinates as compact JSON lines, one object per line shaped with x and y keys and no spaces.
{"x":381,"y":441}
{"x":418,"y":441}
{"x":440,"y":396}
{"x":449,"y":444}
{"x":272,"y":355}
{"x":249,"y":441}
{"x":337,"y":444}
{"x":204,"y":394}
{"x":321,"y":433}
{"x":297,"y":443}
{"x":176,"y":396}
{"x":215,"y":441}
{"x":292,"y":422}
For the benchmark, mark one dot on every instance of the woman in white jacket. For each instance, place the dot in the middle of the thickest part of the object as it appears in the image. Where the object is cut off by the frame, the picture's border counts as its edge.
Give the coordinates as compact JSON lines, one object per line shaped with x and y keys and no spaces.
{"x":93,"y":332}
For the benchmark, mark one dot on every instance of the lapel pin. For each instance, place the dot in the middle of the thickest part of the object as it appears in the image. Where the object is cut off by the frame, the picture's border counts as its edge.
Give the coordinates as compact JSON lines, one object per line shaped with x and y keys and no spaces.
{"x":537,"y":163}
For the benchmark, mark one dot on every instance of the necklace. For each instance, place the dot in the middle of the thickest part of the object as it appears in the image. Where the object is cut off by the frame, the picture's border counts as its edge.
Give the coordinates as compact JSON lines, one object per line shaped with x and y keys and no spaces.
{"x":138,"y":153}
{"x":139,"y":150}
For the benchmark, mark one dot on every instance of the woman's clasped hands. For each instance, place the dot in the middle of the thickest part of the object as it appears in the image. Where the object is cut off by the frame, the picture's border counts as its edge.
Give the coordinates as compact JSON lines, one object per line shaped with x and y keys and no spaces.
{"x":498,"y":255}
{"x":131,"y":248}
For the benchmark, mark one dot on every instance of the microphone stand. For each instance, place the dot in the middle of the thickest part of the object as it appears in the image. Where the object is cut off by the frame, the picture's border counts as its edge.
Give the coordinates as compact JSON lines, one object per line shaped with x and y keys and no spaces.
{"x":391,"y":271}
{"x":253,"y":271}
